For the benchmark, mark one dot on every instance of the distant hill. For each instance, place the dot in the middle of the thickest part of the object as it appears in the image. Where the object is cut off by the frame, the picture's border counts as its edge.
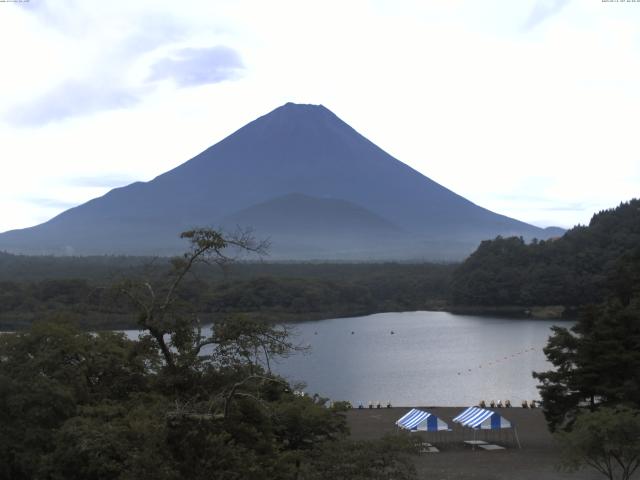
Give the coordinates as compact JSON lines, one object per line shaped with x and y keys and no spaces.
{"x":296,"y":213}
{"x":584,"y":266}
{"x":553,"y":232}
{"x":295,"y":149}
{"x":299,"y":226}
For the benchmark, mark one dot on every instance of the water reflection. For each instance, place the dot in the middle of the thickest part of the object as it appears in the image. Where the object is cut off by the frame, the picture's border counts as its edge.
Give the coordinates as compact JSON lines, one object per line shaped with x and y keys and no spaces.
{"x":431,"y":358}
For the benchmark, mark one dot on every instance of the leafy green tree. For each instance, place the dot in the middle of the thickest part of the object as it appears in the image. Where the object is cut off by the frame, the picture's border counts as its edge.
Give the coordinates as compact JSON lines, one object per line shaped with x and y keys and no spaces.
{"x":303,"y":422}
{"x":607,"y":440}
{"x":123,"y":440}
{"x":176,"y":332}
{"x":47,"y":375}
{"x":597,"y":363}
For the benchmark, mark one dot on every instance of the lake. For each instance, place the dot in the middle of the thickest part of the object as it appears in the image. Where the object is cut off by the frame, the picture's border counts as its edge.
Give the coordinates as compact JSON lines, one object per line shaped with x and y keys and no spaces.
{"x":432,"y":358}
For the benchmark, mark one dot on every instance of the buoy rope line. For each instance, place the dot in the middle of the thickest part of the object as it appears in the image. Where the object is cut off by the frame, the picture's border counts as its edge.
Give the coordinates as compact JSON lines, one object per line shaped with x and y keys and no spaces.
{"x":498,"y":361}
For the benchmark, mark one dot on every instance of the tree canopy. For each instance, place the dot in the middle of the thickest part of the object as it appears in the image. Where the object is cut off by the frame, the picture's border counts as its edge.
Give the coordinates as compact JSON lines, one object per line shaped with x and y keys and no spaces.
{"x":607,"y":440}
{"x":584,"y":266}
{"x":596,"y":363}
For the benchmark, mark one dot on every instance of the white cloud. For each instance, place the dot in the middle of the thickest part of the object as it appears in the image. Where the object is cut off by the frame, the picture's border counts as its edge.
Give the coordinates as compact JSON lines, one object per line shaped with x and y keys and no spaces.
{"x":542,"y":10}
{"x":97,"y":56}
{"x":199,"y":66}
{"x":70,"y":99}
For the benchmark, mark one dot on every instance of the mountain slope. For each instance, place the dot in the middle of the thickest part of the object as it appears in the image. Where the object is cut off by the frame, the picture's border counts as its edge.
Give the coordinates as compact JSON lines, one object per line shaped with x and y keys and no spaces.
{"x":295,"y":148}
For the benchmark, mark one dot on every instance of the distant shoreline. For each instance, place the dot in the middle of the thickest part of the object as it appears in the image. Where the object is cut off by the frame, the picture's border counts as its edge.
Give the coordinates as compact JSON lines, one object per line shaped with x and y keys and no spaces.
{"x":121,"y":321}
{"x":546,"y":312}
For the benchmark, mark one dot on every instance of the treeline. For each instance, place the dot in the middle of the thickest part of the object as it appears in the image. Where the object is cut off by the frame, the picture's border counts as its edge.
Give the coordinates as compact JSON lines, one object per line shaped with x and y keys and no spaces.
{"x":278,"y":292}
{"x":26,"y":268}
{"x":585,"y":266}
{"x":105,"y":268}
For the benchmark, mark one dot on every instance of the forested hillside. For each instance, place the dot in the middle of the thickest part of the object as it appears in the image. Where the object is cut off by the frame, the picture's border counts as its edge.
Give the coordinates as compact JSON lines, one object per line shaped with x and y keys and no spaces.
{"x":582,"y":267}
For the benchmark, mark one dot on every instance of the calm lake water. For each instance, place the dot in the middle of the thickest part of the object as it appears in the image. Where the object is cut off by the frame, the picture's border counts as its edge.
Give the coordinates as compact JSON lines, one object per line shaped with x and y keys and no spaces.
{"x":433,"y":358}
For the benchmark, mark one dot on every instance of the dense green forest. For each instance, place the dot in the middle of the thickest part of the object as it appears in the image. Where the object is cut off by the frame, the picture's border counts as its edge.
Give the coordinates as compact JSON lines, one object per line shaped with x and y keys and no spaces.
{"x":101,"y":269}
{"x":585,"y":266}
{"x":86,"y":289}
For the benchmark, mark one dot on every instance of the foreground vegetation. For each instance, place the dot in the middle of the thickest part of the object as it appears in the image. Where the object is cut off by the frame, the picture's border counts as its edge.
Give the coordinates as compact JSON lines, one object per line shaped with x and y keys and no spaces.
{"x":592,"y":396}
{"x":75,"y":405}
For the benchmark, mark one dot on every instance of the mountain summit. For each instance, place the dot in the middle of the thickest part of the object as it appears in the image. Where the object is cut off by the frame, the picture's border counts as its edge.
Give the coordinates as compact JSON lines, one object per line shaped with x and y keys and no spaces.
{"x":297,"y":157}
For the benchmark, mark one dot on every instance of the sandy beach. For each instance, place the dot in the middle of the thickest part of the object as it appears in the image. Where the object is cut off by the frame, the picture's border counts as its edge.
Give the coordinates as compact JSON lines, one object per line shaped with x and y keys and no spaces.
{"x":536,"y":460}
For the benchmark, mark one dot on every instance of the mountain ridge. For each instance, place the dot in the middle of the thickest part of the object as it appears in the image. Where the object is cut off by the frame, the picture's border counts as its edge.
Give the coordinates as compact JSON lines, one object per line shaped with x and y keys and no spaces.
{"x":295,"y":148}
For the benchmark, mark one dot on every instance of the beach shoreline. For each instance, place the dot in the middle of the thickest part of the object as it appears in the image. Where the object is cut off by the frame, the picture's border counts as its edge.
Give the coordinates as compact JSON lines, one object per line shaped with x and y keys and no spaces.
{"x":538,"y":459}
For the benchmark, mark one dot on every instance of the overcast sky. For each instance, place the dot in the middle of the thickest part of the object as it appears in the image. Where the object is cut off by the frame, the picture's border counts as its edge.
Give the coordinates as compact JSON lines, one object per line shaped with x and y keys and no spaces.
{"x":528,"y":108}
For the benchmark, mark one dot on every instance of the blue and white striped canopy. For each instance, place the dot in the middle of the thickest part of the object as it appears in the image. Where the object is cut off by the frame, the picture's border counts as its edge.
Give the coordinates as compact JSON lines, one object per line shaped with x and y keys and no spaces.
{"x":481,"y":418}
{"x":420,"y":420}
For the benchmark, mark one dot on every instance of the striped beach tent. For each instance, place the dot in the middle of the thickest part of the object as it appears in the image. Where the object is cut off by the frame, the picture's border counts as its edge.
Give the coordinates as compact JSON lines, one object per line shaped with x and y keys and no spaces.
{"x":419,"y":420}
{"x":483,"y":419}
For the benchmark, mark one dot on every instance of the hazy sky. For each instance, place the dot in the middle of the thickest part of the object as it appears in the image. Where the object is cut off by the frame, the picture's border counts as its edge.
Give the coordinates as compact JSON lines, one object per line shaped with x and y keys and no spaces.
{"x":528,"y":108}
